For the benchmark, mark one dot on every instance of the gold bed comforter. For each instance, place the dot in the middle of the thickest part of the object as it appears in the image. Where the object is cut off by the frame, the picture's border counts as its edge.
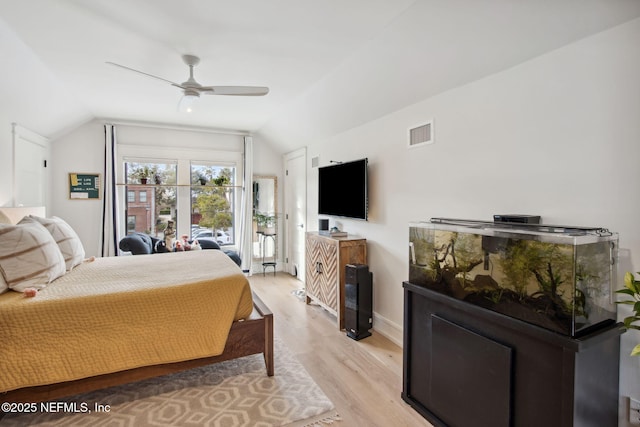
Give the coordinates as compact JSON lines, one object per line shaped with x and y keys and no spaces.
{"x":120,"y":313}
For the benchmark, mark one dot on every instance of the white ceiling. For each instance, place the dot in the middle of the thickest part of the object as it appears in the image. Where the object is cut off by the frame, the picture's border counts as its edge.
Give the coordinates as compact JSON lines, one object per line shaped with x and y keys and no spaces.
{"x":330,"y":65}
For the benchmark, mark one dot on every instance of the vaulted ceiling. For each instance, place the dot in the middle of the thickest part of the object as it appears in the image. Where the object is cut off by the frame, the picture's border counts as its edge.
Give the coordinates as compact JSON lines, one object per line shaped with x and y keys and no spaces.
{"x":330,"y":65}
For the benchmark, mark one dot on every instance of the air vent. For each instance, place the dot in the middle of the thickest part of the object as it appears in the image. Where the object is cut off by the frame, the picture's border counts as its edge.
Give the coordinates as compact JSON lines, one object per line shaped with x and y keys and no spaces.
{"x":315,"y":161}
{"x":421,"y":135}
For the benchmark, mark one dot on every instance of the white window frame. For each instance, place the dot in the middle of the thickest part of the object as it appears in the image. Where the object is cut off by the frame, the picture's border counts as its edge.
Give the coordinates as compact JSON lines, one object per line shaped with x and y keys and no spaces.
{"x":183,"y":157}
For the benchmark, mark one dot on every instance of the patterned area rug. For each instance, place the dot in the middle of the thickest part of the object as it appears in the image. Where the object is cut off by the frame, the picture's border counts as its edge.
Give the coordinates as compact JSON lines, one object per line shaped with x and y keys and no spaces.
{"x":227,"y":394}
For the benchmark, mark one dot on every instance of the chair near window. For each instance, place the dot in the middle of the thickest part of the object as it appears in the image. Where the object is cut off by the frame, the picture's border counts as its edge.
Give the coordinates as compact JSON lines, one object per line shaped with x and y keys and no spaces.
{"x":143,"y":244}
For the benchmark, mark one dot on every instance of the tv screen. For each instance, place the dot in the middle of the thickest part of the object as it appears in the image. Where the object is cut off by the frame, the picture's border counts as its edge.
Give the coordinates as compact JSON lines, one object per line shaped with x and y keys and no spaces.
{"x":342,"y":190}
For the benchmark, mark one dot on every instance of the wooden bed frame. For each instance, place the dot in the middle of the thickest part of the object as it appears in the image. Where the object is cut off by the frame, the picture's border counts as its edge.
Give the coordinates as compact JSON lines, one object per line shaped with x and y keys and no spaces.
{"x":253,"y":335}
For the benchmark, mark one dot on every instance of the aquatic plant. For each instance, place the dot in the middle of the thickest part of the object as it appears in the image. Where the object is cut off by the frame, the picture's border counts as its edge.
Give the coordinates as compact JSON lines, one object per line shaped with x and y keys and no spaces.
{"x":434,"y":272}
{"x":457,"y":257}
{"x":495,"y":296}
{"x":467,"y":254}
{"x":520,"y":258}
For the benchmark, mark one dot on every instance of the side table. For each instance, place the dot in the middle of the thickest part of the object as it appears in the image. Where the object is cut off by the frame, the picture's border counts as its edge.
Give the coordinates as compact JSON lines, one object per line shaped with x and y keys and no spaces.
{"x":265,"y":263}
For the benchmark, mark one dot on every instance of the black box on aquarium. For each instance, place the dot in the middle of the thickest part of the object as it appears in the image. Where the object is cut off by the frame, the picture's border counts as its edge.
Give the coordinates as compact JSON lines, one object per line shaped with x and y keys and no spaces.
{"x":523,"y":219}
{"x":561,"y":278}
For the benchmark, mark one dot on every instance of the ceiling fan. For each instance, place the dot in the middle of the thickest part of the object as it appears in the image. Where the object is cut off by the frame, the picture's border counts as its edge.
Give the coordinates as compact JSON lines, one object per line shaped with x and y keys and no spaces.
{"x":192,"y":89}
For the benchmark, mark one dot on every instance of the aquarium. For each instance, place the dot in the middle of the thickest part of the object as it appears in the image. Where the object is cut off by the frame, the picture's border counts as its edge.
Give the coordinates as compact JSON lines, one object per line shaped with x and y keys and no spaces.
{"x":561,"y":278}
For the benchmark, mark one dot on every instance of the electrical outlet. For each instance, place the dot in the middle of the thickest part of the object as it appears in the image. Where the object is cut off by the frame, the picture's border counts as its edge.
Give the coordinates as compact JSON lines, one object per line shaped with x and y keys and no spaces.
{"x":634,"y":411}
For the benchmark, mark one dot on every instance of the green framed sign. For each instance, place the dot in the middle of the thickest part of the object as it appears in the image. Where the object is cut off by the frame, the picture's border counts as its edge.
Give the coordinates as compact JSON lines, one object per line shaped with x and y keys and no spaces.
{"x":84,"y":186}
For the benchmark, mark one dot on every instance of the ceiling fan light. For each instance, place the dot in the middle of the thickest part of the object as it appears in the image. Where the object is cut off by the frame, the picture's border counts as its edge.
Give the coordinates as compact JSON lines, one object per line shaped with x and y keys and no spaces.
{"x":186,"y":102}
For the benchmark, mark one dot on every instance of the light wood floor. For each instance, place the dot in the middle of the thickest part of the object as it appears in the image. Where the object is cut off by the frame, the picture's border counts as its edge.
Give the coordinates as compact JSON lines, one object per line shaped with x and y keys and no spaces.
{"x":362,"y":378}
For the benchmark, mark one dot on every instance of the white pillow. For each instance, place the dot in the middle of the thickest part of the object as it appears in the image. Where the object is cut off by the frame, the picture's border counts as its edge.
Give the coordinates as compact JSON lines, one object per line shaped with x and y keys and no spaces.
{"x":29,"y":256}
{"x":65,"y":236}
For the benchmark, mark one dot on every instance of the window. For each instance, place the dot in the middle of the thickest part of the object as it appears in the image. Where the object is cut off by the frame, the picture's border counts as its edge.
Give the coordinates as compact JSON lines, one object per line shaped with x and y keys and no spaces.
{"x":157,"y":198}
{"x":174,"y":190}
{"x":131,"y":223}
{"x":213,"y":202}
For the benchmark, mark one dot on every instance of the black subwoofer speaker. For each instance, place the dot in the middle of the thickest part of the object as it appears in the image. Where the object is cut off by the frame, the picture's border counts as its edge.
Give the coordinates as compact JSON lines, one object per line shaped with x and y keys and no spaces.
{"x":358,"y":316}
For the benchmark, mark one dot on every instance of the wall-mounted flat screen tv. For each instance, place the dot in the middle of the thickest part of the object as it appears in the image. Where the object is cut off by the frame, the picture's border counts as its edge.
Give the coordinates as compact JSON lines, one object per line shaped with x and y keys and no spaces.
{"x":343,"y":190}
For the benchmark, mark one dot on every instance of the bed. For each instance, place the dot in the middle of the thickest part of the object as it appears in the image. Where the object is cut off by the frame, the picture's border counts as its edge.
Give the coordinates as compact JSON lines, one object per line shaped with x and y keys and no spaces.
{"x":121,"y":319}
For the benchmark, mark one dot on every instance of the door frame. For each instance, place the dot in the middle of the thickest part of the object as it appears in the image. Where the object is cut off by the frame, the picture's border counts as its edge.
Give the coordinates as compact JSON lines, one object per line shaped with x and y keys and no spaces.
{"x":21,"y":135}
{"x":288,"y":230}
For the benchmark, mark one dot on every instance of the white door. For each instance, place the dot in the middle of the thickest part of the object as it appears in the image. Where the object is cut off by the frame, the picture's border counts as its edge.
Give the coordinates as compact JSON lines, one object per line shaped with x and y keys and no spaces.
{"x":295,"y":205}
{"x":30,"y":155}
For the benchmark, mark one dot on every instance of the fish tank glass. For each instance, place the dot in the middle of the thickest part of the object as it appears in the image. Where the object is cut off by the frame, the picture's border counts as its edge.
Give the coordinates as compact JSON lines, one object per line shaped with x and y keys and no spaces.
{"x":557,"y":277}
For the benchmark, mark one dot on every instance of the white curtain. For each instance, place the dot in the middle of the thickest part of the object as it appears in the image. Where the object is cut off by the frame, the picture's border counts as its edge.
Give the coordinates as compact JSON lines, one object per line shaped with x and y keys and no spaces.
{"x":109,"y":235}
{"x":246,"y":209}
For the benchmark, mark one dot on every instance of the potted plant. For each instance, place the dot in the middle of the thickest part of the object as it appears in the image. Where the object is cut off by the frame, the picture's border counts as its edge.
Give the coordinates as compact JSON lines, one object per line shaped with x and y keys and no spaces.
{"x":266,"y":223}
{"x":260,"y":221}
{"x":142,"y":174}
{"x":201,"y":178}
{"x":221,"y":181}
{"x":632,"y":289}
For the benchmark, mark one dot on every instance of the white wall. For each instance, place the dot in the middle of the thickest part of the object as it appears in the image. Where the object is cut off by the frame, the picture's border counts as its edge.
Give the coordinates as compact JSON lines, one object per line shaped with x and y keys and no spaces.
{"x":557,"y":136}
{"x":6,"y":162}
{"x":79,"y":151}
{"x":267,"y":161}
{"x":40,"y":108}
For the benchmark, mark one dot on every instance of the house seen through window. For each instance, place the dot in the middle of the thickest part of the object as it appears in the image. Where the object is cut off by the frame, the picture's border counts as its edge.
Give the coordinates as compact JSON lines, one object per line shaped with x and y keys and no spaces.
{"x":155,"y":185}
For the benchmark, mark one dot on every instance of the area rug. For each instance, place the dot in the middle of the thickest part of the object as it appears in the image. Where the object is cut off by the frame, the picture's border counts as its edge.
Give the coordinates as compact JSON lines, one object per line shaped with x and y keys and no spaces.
{"x":227,"y":394}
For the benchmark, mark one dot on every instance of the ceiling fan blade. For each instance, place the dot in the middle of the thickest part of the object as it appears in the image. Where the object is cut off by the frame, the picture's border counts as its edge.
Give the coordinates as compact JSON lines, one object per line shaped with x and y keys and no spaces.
{"x":235,"y":90}
{"x":146,"y":74}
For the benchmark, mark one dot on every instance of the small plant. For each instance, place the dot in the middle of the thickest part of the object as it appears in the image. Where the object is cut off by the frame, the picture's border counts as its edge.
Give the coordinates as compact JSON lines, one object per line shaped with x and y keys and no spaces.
{"x":221,"y":180}
{"x":496,"y":296}
{"x":632,"y":288}
{"x":142,"y":173}
{"x":265,"y":222}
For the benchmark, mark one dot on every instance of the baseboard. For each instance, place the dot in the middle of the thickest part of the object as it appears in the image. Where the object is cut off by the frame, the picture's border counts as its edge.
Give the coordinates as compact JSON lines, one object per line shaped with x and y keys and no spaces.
{"x":389,"y":329}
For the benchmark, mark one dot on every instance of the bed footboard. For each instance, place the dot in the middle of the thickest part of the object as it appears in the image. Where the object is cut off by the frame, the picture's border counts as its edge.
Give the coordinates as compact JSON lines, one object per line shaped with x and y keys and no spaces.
{"x":267,"y":316}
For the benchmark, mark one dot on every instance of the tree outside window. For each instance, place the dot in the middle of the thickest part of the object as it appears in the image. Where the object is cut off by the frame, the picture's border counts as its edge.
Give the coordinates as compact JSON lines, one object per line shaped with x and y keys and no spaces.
{"x":212,"y":195}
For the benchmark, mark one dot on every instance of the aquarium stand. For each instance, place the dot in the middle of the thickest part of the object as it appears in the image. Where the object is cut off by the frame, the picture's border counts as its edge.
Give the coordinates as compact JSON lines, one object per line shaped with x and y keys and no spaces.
{"x":466,"y":365}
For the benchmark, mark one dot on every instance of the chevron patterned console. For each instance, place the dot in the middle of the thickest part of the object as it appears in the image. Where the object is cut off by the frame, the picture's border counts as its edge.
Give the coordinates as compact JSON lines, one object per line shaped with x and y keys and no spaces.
{"x":326,"y":259}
